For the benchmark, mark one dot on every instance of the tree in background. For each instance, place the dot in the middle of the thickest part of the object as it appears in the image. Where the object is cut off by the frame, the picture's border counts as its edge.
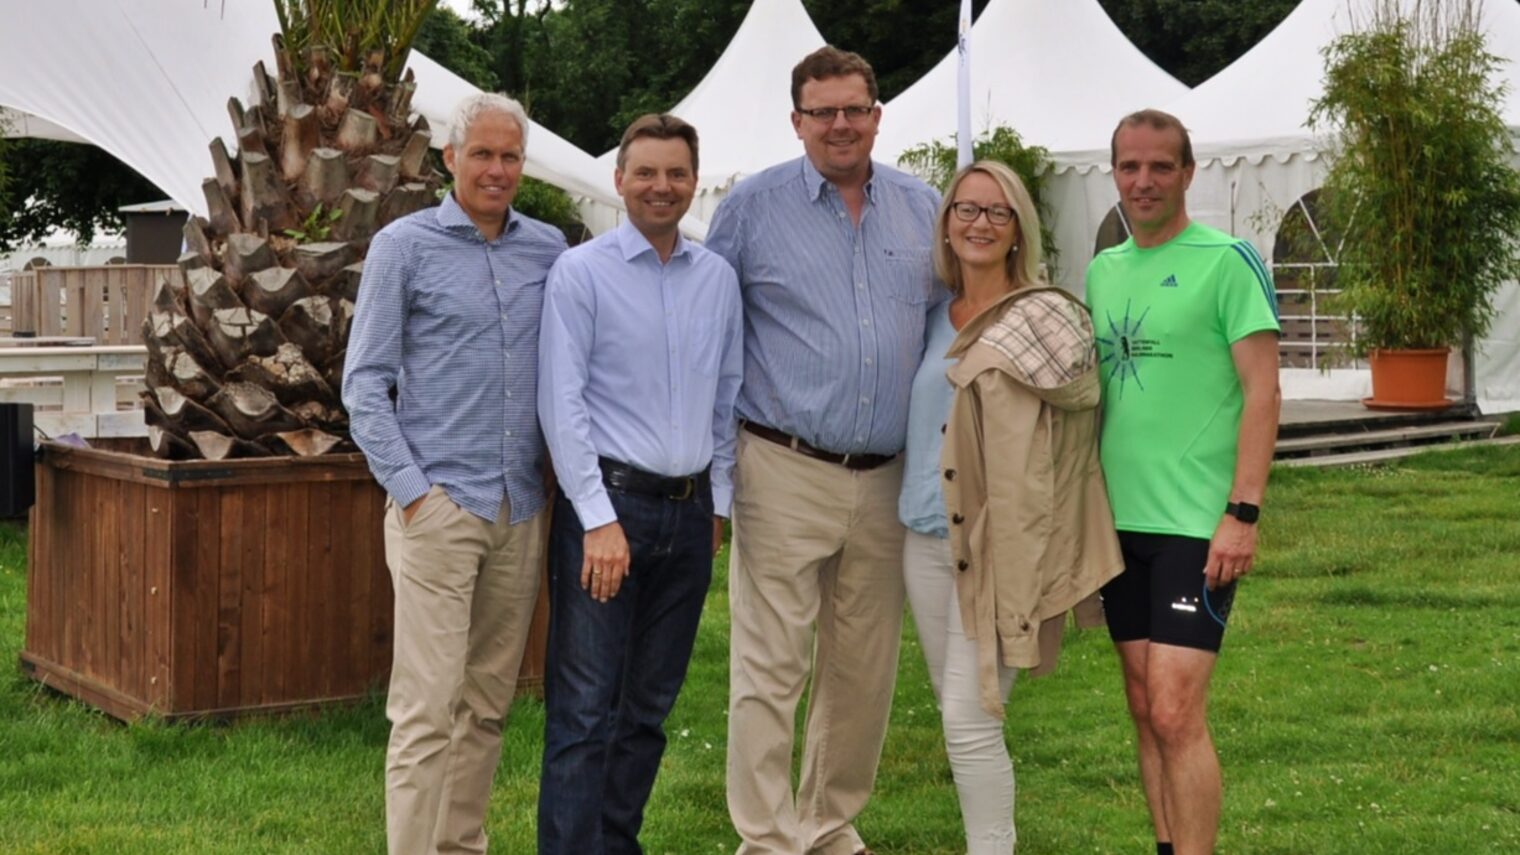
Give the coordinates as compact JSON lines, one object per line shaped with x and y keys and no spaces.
{"x":60,"y":185}
{"x":902,"y":39}
{"x":1193,"y":40}
{"x":934,"y":162}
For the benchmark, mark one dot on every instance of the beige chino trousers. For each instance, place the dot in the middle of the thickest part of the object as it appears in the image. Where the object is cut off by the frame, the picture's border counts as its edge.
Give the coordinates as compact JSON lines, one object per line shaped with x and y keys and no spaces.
{"x":465,"y":591}
{"x":815,"y":582}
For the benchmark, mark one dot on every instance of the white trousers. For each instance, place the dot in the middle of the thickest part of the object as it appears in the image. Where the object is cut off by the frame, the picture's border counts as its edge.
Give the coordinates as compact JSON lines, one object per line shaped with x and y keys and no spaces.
{"x":979,"y":758}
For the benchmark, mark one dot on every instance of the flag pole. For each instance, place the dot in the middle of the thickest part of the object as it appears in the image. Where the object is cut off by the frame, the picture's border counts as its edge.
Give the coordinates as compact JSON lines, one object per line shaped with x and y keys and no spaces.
{"x":963,"y":90}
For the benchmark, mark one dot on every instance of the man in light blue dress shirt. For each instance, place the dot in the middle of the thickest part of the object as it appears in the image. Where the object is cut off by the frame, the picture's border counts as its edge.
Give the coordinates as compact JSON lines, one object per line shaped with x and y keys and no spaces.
{"x":447,"y":320}
{"x":640,"y":359}
{"x":832,"y":252}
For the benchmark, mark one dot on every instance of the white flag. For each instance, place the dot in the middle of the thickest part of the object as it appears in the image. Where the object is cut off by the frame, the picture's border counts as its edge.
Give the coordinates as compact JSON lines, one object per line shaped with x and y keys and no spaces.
{"x":963,"y":89}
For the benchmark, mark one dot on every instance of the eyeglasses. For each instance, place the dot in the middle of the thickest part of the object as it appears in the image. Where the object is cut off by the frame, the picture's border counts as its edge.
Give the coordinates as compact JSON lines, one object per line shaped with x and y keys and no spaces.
{"x":853,"y":113}
{"x":967,"y":212}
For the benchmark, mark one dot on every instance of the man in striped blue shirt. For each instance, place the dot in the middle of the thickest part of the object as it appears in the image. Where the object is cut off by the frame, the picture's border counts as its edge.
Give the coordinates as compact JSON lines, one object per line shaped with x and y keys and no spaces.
{"x":832,"y":252}
{"x":447,"y":321}
{"x":640,"y":360}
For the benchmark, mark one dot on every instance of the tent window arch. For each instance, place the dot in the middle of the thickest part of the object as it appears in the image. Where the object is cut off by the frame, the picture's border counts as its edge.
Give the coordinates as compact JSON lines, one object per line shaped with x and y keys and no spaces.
{"x":1113,"y":231}
{"x":1305,"y":259}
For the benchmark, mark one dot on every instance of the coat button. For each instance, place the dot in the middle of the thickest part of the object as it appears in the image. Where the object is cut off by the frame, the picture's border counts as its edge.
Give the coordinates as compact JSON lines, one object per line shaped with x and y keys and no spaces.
{"x":962,"y":565}
{"x":957,"y":519}
{"x":1024,"y":626}
{"x":949,"y":474}
{"x":942,"y":428}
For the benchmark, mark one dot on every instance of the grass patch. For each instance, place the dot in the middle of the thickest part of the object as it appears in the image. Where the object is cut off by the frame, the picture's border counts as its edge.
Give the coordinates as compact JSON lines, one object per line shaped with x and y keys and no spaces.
{"x":1368,"y":702}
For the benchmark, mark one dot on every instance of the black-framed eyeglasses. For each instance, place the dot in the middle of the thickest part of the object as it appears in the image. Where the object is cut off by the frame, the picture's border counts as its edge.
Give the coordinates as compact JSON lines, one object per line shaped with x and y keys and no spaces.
{"x":852,"y":113}
{"x":967,"y":212}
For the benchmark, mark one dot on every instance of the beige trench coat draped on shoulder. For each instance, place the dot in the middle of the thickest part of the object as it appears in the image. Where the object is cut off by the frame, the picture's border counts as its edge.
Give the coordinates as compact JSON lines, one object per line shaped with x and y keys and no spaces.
{"x":1031,"y":531}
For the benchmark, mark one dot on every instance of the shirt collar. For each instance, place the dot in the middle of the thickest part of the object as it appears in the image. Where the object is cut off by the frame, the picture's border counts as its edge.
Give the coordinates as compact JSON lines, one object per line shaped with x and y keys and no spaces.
{"x":633,"y":243}
{"x":452,"y":217}
{"x":813,"y":181}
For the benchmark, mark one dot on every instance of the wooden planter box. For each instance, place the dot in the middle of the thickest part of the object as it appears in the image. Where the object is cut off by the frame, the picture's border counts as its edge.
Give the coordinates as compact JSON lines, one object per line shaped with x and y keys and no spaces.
{"x":211,"y":588}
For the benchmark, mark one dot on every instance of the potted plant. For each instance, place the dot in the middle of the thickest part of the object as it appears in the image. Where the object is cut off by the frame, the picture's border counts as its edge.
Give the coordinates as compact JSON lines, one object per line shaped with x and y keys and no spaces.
{"x":1421,"y":188}
{"x":241,"y":566}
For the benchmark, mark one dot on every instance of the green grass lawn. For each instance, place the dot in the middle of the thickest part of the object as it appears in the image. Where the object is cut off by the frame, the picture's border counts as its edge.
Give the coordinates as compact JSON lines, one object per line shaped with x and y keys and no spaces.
{"x":1368,"y":702}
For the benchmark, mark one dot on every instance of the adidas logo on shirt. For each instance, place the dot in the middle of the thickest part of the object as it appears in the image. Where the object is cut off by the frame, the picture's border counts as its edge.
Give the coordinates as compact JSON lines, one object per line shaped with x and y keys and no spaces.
{"x":1169,"y":282}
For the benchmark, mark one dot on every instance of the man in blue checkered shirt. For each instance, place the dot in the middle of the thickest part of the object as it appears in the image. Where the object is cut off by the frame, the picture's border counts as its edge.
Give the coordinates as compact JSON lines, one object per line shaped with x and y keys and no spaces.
{"x":447,"y":320}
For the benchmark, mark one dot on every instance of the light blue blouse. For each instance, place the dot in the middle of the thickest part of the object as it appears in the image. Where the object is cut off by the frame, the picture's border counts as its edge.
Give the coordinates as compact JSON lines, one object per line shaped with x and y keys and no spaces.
{"x":921,"y":507}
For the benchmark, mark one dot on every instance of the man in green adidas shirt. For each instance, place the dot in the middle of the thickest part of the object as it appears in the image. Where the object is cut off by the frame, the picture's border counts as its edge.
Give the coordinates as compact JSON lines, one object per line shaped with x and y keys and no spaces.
{"x":1187,"y":324}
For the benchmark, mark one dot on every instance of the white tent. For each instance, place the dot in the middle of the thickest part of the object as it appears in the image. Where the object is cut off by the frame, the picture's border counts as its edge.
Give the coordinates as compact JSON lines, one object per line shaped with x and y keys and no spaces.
{"x":742,"y":108}
{"x":148,"y":81}
{"x":1057,"y":71}
{"x":1257,"y":157}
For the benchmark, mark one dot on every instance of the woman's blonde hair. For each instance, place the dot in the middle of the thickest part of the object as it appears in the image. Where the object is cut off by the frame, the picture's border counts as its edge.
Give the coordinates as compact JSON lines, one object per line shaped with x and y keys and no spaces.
{"x":1024,"y":259}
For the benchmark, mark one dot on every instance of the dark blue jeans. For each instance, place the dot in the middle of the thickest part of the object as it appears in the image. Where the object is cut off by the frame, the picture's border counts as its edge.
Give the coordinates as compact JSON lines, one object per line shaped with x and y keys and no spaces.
{"x":614,"y":670}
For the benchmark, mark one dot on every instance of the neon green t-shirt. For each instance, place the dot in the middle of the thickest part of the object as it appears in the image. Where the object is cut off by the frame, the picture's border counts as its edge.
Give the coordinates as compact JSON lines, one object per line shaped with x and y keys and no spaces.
{"x":1165,"y":319}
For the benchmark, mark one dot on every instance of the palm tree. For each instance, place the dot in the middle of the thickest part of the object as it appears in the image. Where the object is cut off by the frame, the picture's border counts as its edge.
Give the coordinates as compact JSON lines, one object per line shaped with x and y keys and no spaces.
{"x":246,"y":357}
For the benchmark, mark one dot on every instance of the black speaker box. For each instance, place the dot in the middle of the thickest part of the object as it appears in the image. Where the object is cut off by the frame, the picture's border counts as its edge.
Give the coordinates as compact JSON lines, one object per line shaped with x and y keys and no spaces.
{"x":17,"y":488}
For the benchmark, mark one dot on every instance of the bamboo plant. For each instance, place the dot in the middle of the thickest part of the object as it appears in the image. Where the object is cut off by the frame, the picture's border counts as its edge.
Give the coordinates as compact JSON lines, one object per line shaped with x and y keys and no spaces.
{"x":1421,"y":187}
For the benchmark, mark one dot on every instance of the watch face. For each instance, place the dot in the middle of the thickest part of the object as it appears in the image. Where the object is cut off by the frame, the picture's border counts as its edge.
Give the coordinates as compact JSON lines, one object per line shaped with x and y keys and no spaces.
{"x":1246,"y":512}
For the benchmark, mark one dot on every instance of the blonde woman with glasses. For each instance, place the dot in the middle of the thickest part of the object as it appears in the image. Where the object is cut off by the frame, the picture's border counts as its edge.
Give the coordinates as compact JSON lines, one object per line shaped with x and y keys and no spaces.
{"x":1008,"y":520}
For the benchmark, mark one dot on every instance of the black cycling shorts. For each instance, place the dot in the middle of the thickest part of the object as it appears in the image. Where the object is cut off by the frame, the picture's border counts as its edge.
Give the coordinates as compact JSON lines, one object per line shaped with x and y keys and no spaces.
{"x":1162,"y":594}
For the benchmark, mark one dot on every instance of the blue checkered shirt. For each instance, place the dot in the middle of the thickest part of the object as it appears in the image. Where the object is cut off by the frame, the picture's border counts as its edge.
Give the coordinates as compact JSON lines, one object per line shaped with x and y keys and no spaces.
{"x":450,"y":321}
{"x":833,"y":312}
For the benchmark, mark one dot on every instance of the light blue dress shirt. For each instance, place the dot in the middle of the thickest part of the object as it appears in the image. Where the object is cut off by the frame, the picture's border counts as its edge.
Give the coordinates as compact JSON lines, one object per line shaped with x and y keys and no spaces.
{"x":640,"y":362}
{"x":833,"y":312}
{"x":922,"y":504}
{"x":450,"y":320}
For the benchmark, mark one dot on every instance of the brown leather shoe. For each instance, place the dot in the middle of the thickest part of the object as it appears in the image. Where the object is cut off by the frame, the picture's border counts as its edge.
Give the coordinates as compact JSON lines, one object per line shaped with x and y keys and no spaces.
{"x":865,"y":852}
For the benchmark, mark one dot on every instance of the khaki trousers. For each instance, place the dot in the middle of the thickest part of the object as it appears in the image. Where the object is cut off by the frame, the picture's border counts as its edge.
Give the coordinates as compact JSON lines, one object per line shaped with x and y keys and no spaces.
{"x":815,"y":580}
{"x":465,"y":591}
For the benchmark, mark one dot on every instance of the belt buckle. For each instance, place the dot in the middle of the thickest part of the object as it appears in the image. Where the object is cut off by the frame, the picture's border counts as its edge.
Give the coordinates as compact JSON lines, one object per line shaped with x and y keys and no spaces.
{"x":691,"y":487}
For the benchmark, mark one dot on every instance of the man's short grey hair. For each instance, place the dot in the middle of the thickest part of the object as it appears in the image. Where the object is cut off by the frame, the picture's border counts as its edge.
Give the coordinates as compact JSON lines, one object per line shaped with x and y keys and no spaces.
{"x":474,"y":106}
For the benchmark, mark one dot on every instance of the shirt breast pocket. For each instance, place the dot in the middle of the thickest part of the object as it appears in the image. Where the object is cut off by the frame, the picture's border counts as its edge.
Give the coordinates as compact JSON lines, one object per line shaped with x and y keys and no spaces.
{"x":909,"y":273}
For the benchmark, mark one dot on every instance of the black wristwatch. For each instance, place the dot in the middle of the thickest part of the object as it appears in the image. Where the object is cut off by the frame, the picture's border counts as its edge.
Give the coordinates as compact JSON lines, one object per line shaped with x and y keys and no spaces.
{"x":1243,"y":511}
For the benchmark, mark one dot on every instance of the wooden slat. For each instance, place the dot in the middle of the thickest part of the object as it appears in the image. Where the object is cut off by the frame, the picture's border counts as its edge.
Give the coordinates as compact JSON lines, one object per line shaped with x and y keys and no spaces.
{"x":356,"y":662}
{"x":92,"y":304}
{"x":116,"y":306}
{"x":317,"y":567}
{"x":250,"y":630}
{"x":208,"y":550}
{"x":132,"y":651}
{"x":49,"y":294}
{"x":229,"y":581}
{"x":139,"y":295}
{"x":158,"y":626}
{"x":24,"y":302}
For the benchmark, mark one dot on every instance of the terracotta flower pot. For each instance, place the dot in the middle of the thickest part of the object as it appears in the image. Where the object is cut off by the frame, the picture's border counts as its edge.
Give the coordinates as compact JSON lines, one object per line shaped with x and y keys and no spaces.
{"x":1408,"y":379}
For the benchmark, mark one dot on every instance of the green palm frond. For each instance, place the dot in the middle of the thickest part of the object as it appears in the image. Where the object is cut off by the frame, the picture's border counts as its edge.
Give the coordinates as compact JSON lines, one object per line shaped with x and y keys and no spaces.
{"x":351,"y":31}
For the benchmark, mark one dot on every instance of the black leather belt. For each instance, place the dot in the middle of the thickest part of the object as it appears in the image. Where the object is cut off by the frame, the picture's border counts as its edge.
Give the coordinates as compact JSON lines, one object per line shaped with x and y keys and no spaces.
{"x":849,"y":461}
{"x":621,"y":476}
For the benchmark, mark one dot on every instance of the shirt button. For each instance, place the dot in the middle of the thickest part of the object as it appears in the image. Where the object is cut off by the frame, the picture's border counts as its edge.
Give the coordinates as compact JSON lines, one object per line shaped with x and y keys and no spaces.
{"x":865,"y":400}
{"x":868,"y":360}
{"x":509,"y":433}
{"x":865,"y":322}
{"x":498,"y":282}
{"x":509,"y":393}
{"x":860,"y":286}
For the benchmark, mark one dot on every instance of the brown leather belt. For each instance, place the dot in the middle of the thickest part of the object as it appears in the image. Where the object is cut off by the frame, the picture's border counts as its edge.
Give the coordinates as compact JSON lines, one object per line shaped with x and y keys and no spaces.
{"x":856,"y":462}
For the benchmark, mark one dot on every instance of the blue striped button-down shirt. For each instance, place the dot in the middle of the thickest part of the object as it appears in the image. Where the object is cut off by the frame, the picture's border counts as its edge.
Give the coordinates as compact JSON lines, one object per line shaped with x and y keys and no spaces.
{"x":639,"y":361}
{"x":833,"y":312}
{"x":450,"y":320}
